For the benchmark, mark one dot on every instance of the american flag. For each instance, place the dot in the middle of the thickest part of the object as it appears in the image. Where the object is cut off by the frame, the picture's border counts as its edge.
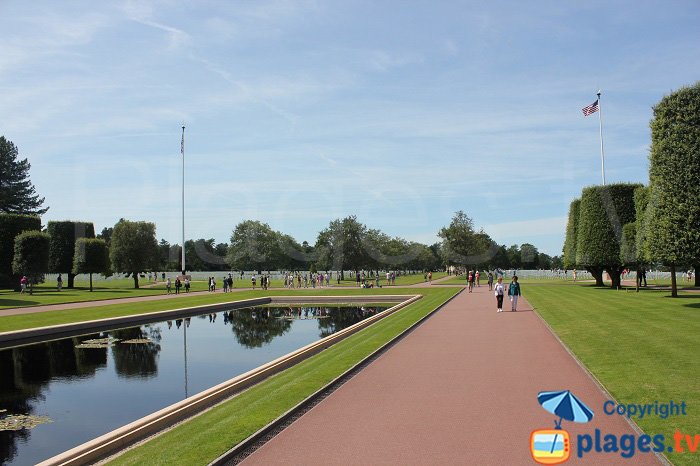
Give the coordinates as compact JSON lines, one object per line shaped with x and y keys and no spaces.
{"x":182,"y":143}
{"x":590,"y":109}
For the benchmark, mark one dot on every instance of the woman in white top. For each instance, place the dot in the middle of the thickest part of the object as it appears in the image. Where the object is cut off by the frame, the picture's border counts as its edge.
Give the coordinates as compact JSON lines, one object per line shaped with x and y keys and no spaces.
{"x":498,"y":291}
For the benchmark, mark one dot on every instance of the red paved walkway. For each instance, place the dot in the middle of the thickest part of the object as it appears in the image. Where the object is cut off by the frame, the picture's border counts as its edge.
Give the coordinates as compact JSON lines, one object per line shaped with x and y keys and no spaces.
{"x":460,"y":389}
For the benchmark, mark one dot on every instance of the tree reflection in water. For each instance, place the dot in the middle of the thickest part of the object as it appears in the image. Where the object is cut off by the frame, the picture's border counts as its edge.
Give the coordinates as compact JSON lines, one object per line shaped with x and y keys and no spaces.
{"x":136,"y":359}
{"x":26,"y":373}
{"x":339,"y":318}
{"x":254,"y":328}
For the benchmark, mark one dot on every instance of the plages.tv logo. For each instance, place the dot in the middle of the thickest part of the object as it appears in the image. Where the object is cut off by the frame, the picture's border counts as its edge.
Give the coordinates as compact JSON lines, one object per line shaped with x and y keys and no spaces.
{"x":553,"y":446}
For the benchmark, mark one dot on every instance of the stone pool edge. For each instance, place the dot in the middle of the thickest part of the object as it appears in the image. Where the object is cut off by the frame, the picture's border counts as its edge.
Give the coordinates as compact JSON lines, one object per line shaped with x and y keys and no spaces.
{"x":120,"y":438}
{"x":54,"y":332}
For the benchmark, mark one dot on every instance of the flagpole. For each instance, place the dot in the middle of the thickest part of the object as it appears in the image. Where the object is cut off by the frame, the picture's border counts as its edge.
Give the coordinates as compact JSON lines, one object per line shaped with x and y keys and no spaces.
{"x":602,"y":152}
{"x":182,"y":150}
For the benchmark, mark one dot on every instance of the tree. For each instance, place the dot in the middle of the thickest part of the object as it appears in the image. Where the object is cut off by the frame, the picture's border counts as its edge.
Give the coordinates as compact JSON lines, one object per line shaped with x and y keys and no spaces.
{"x":603,"y":211}
{"x":31,"y":256}
{"x":514,"y":256}
{"x":462,"y":245}
{"x":529,"y":256}
{"x":340,"y":246}
{"x":253,"y":247}
{"x":569,"y":251}
{"x":17,"y":193}
{"x":134,"y":248}
{"x":12,"y":225}
{"x":90,"y":255}
{"x":629,"y":254}
{"x":62,"y":246}
{"x":106,"y":233}
{"x":673,"y":213}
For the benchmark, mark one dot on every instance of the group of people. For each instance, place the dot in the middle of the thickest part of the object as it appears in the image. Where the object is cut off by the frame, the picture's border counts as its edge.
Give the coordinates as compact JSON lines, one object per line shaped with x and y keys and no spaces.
{"x":178,"y":285}
{"x":513,"y":293}
{"x":474,"y":279}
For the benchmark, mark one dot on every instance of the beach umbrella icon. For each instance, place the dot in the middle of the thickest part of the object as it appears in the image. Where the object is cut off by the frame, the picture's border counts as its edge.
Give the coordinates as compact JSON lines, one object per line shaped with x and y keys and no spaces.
{"x":565,"y":405}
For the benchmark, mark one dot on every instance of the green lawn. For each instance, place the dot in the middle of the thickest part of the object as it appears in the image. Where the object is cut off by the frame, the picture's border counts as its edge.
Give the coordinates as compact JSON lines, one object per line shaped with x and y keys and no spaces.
{"x":205,"y":437}
{"x":122,"y":288}
{"x":400,"y":281}
{"x":40,"y":319}
{"x":642,"y":346}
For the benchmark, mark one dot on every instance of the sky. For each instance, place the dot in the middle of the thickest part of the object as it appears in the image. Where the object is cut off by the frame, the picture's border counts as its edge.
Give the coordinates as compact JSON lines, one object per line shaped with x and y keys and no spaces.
{"x":300,"y":112}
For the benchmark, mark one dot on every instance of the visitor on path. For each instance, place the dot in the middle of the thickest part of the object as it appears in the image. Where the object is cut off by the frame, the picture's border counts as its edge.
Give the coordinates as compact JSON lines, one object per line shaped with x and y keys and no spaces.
{"x":59,"y":282}
{"x":23,"y":284}
{"x":470,"y":281}
{"x":490,"y":280}
{"x":187,"y":285}
{"x":168,"y":284}
{"x":476,"y":275}
{"x":574,"y":274}
{"x":252,"y":280}
{"x":178,"y":284}
{"x":430,"y":278}
{"x":498,"y":291}
{"x":644,"y":277}
{"x":514,"y":293}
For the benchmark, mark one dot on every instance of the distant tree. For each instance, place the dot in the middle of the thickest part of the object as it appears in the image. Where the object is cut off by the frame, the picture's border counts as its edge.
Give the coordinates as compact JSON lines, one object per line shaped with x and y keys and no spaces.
{"x":134,"y":248}
{"x":106,"y":233}
{"x":62,"y":246}
{"x":673,"y":214}
{"x":603,"y":211}
{"x":557,"y":262}
{"x":340,"y":246}
{"x":31,"y":256}
{"x":463,"y":245}
{"x":544,"y":261}
{"x":12,"y":225}
{"x":17,"y":193}
{"x":529,"y":256}
{"x":500,"y":259}
{"x":253,"y":246}
{"x":514,"y":256}
{"x":90,"y":255}
{"x":569,"y":251}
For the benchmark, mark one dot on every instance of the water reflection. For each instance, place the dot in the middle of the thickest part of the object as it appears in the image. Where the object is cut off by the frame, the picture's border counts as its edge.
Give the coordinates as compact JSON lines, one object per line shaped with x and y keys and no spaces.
{"x":61,"y":378}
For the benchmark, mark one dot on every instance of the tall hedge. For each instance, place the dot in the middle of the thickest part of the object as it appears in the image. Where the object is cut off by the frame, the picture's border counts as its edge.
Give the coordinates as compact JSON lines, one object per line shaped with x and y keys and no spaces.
{"x":31,"y":255}
{"x":12,"y":225}
{"x":91,"y":256}
{"x":641,"y":201}
{"x":603,"y":212}
{"x":62,"y":247}
{"x":569,"y":251}
{"x":674,"y":180}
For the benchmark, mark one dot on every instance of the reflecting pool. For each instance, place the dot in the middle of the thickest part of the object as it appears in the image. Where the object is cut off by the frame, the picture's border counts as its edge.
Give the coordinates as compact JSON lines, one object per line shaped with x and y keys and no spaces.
{"x":88,"y":385}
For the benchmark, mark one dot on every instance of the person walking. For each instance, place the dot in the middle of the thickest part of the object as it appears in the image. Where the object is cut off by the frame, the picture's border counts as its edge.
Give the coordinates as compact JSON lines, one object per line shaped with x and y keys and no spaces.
{"x":430,"y":278}
{"x":498,"y":291}
{"x":23,"y":284}
{"x":470,"y":281}
{"x":187,"y":285}
{"x":59,"y":282}
{"x":490,"y":280}
{"x":168,"y":284}
{"x":477,"y":278}
{"x":178,"y":284}
{"x":252,"y":281}
{"x":514,"y":293}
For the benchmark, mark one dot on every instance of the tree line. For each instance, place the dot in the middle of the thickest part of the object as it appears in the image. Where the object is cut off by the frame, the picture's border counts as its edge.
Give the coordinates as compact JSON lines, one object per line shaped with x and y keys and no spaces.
{"x":130,"y":247}
{"x":614,"y":227}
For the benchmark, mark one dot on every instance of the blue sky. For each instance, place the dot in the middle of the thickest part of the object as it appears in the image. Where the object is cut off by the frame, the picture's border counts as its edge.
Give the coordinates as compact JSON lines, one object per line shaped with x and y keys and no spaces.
{"x":401,"y":112}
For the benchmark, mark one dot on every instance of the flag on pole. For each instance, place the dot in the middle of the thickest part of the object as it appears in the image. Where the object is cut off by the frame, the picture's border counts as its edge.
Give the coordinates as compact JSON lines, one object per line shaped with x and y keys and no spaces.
{"x":182,"y":143}
{"x":591,"y":108}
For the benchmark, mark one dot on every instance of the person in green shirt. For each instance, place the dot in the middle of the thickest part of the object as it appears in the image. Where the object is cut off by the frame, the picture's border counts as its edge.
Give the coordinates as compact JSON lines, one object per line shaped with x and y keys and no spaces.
{"x":514,"y":293}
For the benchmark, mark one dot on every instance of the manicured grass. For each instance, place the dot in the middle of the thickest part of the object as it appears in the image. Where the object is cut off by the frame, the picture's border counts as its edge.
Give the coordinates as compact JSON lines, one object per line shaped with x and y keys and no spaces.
{"x":40,"y":319}
{"x":642,"y":346}
{"x":400,"y":281}
{"x":46,"y":293}
{"x":205,"y":437}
